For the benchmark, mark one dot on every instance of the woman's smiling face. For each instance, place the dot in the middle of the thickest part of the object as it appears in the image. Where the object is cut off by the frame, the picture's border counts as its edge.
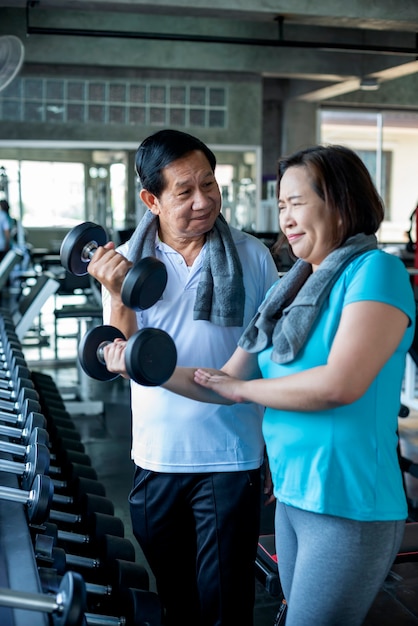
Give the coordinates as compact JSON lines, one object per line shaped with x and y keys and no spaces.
{"x":304,"y":217}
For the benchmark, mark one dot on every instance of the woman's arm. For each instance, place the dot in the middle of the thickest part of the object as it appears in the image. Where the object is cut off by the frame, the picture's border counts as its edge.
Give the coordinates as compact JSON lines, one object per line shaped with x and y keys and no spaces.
{"x":242,"y":363}
{"x":182,"y":381}
{"x":368,"y":334}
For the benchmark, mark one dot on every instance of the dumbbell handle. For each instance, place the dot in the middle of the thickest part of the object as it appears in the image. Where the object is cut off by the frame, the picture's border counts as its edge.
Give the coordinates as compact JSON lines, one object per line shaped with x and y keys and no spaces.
{"x":31,"y":601}
{"x":17,"y":495}
{"x":100,"y":351}
{"x":37,"y":500}
{"x":88,"y":251}
{"x":68,"y":604}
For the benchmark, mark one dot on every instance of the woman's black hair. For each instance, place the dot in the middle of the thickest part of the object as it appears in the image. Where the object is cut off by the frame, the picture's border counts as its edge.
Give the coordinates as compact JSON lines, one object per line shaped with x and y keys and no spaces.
{"x":161,"y":149}
{"x":341,"y":179}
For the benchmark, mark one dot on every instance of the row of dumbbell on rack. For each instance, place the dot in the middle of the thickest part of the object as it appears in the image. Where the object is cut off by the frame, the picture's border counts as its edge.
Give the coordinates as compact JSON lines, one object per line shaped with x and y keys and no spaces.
{"x":86,"y":567}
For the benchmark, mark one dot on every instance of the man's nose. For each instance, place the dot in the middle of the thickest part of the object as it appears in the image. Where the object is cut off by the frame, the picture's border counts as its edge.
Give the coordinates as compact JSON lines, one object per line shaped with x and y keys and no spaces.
{"x":200,"y":199}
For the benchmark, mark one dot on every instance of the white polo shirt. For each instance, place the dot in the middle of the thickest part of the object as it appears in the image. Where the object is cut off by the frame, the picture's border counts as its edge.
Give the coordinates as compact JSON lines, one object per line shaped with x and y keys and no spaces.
{"x":171,"y":433}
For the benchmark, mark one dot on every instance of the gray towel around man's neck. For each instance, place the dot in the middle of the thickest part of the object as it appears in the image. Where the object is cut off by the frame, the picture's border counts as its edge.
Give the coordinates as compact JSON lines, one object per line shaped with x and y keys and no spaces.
{"x":220,"y":295}
{"x":285,"y":318}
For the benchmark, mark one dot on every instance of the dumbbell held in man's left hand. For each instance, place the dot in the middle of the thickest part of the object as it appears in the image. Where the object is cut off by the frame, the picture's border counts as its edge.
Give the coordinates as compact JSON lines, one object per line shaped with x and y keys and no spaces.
{"x":144,"y":282}
{"x":150,"y":355}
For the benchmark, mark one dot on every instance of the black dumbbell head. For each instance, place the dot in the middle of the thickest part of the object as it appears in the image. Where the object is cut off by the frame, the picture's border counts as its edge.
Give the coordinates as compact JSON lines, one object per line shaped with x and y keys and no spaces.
{"x":150,"y":357}
{"x":144,"y":284}
{"x":89,"y":355}
{"x":76,"y":244}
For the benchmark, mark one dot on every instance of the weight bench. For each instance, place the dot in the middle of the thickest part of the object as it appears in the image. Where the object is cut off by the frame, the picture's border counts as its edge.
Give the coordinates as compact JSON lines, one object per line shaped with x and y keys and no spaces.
{"x":30,"y":305}
{"x":82,"y":313}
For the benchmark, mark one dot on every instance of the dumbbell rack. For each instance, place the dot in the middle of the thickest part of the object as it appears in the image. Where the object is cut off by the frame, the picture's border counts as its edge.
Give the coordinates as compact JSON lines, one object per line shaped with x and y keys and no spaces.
{"x":18,"y":568}
{"x":45,"y":543}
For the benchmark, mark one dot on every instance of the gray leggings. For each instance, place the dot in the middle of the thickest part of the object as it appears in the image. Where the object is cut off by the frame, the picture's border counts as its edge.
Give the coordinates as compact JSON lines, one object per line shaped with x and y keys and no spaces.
{"x":331,"y":568}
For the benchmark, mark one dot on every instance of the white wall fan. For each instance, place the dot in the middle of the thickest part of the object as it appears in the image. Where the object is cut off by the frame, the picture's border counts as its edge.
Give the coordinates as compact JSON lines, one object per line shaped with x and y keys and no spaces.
{"x":12,"y":54}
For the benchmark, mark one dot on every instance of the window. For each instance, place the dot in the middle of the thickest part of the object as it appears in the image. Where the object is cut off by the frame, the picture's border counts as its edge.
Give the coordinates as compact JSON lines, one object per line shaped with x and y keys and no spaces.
{"x":61,"y":101}
{"x":386,"y":141}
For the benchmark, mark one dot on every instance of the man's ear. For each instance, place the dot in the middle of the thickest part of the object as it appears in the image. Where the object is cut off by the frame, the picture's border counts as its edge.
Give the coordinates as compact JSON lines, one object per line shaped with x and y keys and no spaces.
{"x":150,"y":201}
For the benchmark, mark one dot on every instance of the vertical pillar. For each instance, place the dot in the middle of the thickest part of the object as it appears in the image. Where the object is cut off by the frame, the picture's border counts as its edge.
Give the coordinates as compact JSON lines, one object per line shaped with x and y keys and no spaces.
{"x":299,"y":125}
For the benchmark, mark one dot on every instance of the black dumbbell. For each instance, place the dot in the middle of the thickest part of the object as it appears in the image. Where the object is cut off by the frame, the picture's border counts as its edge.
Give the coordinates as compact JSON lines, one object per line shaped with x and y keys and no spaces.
{"x":150,"y":355}
{"x":36,"y":462}
{"x":79,"y":484}
{"x":67,"y":607}
{"x":121,"y":576}
{"x":108,"y":547}
{"x":84,"y":505}
{"x":10,"y":389}
{"x":34,"y":435}
{"x":20,"y":412}
{"x":11,"y":355}
{"x":60,"y":443}
{"x":14,"y":368}
{"x":14,"y":406}
{"x":63,"y":538}
{"x":33,"y":431}
{"x":82,"y":501}
{"x":144,"y":283}
{"x":90,"y":523}
{"x":133,"y":606}
{"x":20,"y":391}
{"x":65,"y":455}
{"x":9,"y":338}
{"x":59,"y":431}
{"x":12,"y":365}
{"x":50,"y":395}
{"x":68,"y":470}
{"x":37,"y":499}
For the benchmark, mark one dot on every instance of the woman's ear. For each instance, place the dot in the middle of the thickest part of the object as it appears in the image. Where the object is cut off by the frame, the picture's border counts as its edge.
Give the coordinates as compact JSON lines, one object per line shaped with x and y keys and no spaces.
{"x":150,"y":201}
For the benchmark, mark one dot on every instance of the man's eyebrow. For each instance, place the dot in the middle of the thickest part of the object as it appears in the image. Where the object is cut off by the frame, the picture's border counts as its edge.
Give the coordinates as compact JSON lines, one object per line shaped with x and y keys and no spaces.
{"x":188,"y":181}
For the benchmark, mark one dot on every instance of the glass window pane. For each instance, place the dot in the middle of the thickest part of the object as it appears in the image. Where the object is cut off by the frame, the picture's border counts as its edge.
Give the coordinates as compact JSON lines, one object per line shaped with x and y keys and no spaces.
{"x":11,"y":110}
{"x":197,"y":117}
{"x":137,"y":93}
{"x":157,"y":116}
{"x":54,"y":113}
{"x":116,"y":115}
{"x":55,"y":89}
{"x":96,"y":113}
{"x":216,"y":119}
{"x":386,"y":141}
{"x":76,"y":90}
{"x":63,"y":205}
{"x":75,"y":113}
{"x":178,"y":95}
{"x":197,"y":95}
{"x":96,"y":92}
{"x":33,"y":112}
{"x":137,"y":115}
{"x":117,"y":93}
{"x":178,"y":117}
{"x":217,"y":97}
{"x":33,"y":89}
{"x":14,"y":89}
{"x":157,"y":94}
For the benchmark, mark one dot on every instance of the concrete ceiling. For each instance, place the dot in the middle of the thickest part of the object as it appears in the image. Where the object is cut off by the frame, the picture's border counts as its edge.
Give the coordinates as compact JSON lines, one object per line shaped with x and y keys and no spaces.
{"x":325,"y":48}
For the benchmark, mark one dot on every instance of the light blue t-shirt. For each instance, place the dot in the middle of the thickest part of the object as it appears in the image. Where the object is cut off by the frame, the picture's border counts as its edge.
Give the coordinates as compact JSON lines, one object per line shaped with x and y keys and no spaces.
{"x":343,"y":461}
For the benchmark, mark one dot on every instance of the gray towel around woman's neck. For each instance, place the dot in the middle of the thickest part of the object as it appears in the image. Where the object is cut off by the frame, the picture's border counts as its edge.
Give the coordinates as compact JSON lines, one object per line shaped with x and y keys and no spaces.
{"x":285,"y":318}
{"x":220,"y":295}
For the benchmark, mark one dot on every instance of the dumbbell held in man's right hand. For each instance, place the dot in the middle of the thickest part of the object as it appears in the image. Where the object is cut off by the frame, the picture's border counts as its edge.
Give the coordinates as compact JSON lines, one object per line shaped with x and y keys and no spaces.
{"x":144,"y":282}
{"x":150,"y":355}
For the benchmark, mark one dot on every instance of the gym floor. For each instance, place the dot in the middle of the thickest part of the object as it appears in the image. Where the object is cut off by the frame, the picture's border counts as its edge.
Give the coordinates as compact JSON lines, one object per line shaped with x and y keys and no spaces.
{"x":102,"y":416}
